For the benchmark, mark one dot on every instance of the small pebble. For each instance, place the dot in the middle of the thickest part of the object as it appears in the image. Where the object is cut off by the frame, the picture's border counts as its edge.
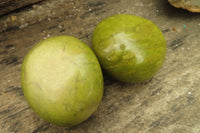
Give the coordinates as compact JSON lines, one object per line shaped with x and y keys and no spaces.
{"x":174,"y":29}
{"x":13,"y":18}
{"x":49,"y":19}
{"x":90,"y":10}
{"x":23,"y":25}
{"x":60,"y":26}
{"x":189,"y":93}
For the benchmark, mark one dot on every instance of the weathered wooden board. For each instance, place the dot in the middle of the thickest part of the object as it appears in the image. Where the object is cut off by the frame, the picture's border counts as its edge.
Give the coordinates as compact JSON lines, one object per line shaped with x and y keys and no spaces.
{"x":7,"y":6}
{"x":169,"y":103}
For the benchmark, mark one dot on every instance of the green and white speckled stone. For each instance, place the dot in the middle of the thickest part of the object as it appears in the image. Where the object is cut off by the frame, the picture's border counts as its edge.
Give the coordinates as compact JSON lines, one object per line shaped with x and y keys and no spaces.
{"x":130,"y":48}
{"x":62,"y":80}
{"x":191,"y":5}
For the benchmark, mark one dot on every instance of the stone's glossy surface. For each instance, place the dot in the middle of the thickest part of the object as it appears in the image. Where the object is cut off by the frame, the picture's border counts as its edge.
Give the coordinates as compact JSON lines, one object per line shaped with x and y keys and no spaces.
{"x":62,"y":80}
{"x":191,"y":5}
{"x":130,"y":48}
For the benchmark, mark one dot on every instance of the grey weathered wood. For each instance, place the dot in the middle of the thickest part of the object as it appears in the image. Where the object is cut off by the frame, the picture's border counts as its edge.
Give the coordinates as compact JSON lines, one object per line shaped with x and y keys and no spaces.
{"x":7,"y":6}
{"x":169,"y":103}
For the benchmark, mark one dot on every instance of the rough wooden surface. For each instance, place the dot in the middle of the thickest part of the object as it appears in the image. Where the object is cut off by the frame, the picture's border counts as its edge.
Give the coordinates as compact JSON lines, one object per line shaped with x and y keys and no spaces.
{"x":7,"y":6}
{"x":169,"y":103}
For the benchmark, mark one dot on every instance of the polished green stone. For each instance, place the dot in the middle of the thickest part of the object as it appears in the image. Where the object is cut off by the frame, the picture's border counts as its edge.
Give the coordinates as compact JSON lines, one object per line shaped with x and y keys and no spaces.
{"x":130,"y":48}
{"x":190,"y":5}
{"x":62,"y":80}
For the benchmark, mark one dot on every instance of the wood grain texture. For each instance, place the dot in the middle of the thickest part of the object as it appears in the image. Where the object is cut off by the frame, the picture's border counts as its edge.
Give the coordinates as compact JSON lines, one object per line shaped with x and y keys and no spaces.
{"x":168,"y":103}
{"x":7,"y":6}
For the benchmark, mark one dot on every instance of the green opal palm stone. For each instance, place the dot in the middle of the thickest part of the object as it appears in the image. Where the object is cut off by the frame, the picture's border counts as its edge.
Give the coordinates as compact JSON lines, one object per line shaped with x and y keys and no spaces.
{"x":130,"y":48}
{"x":62,"y":80}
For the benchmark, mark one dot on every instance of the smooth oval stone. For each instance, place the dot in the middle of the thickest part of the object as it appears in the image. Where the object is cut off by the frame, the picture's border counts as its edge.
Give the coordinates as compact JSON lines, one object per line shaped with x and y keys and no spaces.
{"x":190,"y":5}
{"x":130,"y":48}
{"x":62,"y":80}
